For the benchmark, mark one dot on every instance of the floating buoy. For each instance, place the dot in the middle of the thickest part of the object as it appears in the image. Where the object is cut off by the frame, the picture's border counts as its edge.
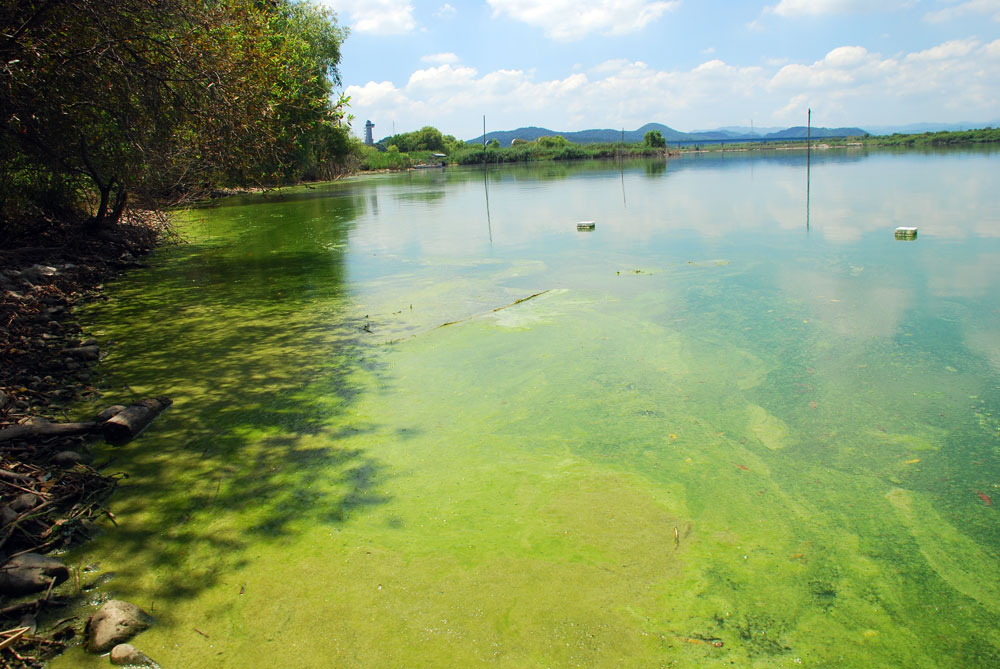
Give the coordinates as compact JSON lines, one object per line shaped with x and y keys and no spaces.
{"x":586,"y":225}
{"x":906,"y":233}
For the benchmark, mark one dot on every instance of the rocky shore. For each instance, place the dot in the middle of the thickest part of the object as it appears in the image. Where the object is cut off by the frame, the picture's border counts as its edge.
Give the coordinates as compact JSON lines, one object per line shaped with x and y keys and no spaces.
{"x":52,"y":494}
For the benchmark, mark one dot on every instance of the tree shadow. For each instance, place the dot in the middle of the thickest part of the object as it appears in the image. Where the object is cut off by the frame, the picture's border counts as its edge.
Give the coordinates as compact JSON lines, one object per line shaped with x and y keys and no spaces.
{"x":259,"y":348}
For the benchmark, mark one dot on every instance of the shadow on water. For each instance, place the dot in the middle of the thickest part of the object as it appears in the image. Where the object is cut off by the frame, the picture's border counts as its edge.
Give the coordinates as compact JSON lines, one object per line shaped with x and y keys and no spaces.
{"x":257,"y":347}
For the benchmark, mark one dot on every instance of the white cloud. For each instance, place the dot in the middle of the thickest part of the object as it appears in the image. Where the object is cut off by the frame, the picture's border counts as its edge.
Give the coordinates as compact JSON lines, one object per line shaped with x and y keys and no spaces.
{"x":969,"y":8}
{"x":955,"y":77}
{"x":945,"y":51}
{"x":440,"y":58}
{"x":445,"y":11}
{"x":568,"y":20}
{"x":849,"y":86}
{"x":791,"y":8}
{"x":377,"y":17}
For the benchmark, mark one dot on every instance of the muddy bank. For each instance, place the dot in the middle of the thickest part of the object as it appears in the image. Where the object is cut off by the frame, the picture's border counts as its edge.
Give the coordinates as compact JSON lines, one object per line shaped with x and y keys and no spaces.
{"x":52,"y":494}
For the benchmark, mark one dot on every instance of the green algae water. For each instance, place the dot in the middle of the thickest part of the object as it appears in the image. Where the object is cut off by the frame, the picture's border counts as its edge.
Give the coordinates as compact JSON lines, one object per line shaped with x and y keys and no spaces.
{"x":422,"y":420}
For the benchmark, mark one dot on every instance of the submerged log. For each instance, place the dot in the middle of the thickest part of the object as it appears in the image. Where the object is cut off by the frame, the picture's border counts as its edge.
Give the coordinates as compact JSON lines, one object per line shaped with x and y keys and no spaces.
{"x":128,"y":423}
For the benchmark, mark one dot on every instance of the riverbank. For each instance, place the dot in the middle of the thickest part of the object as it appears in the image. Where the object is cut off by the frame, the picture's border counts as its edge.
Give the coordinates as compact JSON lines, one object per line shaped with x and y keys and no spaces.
{"x":372,"y":161}
{"x":52,"y":492}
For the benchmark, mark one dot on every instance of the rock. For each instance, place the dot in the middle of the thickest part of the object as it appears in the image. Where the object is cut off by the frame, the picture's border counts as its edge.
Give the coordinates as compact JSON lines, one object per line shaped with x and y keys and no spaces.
{"x":127,"y":654}
{"x":24,"y":501}
{"x":7,"y":516}
{"x":29,"y":621}
{"x":40,"y":271}
{"x":30,"y":572}
{"x":115,"y":623}
{"x":88,"y":342}
{"x":4,"y":399}
{"x":89,"y":352}
{"x":68,"y":458}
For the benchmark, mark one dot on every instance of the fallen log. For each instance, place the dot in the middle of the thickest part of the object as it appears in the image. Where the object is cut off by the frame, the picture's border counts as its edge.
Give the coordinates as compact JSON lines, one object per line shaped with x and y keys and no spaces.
{"x":47,"y":429}
{"x":89,"y":352}
{"x":130,"y":421}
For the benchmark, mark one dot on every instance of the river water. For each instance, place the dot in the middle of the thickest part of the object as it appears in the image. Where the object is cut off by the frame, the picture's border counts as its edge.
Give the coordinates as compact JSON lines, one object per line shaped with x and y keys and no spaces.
{"x":737,"y":423}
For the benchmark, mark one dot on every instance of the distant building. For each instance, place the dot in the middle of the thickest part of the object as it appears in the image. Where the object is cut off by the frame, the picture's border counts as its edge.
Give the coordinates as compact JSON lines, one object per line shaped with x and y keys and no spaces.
{"x":368,"y":133}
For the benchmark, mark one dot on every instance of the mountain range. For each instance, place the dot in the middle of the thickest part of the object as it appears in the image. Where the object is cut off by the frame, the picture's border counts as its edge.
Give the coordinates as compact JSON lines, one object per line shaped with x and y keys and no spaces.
{"x":505,"y":137}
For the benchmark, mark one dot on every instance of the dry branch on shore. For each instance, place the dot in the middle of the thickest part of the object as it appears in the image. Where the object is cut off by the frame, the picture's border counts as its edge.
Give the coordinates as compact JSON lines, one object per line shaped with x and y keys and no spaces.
{"x":49,"y":496}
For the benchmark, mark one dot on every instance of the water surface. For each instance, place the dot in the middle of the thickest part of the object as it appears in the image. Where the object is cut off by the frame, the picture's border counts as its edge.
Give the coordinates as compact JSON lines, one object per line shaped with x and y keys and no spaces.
{"x":734,"y":424}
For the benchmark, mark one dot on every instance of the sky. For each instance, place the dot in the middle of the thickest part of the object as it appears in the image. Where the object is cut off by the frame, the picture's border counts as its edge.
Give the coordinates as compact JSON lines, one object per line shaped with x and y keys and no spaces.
{"x":689,"y":64}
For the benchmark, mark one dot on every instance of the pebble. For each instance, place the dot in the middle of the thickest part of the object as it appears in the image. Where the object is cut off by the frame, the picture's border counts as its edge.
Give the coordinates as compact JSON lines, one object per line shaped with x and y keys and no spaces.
{"x":125,"y":654}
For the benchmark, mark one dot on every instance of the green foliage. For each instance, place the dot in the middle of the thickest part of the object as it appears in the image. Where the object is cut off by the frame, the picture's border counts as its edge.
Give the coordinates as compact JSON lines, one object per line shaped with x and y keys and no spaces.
{"x":494,"y":143}
{"x":139,"y":102}
{"x":519,"y":152}
{"x":981,"y":136}
{"x":551,"y":142}
{"x":654,"y":138}
{"x":425,"y":139}
{"x":370,"y":158}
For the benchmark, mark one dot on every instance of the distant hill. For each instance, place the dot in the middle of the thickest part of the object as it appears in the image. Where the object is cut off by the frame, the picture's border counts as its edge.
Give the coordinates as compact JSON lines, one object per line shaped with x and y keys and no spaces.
{"x":743,"y":130}
{"x":596,"y":136}
{"x":800,"y":131}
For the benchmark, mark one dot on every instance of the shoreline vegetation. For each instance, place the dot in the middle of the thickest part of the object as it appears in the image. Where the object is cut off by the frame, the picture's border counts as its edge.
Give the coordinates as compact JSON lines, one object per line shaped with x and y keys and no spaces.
{"x":110,"y":115}
{"x":425,"y":147}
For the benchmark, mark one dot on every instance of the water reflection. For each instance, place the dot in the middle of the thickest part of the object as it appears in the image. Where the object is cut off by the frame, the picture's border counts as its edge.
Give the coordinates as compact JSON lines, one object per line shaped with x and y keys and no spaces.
{"x":814,"y":414}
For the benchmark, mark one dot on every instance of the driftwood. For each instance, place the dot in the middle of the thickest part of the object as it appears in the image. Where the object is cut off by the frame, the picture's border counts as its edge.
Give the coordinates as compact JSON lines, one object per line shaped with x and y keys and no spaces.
{"x":493,"y":311}
{"x":128,"y":423}
{"x":47,"y":429}
{"x":118,"y":424}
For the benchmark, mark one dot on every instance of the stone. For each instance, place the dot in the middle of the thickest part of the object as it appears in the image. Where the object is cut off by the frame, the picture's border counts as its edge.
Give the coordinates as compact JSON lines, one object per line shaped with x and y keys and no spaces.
{"x":7,"y":516}
{"x":89,"y":352}
{"x":25,"y":501}
{"x":114,"y":623}
{"x":68,"y":458}
{"x":125,"y":654}
{"x":30,"y":572}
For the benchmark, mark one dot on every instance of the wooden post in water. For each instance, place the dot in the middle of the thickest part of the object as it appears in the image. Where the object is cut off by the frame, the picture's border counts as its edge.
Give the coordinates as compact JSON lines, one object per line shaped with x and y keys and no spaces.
{"x":621,"y":167}
{"x":486,"y":186}
{"x":809,"y":125}
{"x":808,"y":163}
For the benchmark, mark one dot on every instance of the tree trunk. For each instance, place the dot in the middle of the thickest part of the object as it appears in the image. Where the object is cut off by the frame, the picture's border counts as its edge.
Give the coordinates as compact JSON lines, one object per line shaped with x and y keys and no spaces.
{"x":121,"y":199}
{"x":102,"y":208}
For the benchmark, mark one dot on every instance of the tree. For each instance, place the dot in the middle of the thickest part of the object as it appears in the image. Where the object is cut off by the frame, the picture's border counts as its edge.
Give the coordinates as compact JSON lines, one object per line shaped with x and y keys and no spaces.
{"x":551,"y":142}
{"x":494,"y":143}
{"x":427,"y":138}
{"x":654,"y":139}
{"x":103,"y":105}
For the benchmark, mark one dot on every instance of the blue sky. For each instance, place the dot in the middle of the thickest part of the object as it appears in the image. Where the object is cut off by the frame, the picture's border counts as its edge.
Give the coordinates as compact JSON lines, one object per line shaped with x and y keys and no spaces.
{"x":689,"y":64}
